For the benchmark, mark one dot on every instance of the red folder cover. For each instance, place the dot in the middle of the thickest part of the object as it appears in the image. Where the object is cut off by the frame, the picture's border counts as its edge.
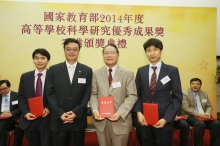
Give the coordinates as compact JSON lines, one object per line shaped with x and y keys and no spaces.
{"x":4,"y":117}
{"x":106,"y":106}
{"x":150,"y":111}
{"x":203,"y":119}
{"x":36,"y":106}
{"x":181,"y":117}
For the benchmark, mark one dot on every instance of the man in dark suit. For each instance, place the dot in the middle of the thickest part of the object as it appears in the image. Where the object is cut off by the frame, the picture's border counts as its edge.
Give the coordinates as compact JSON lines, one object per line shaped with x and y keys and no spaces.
{"x":36,"y":129}
{"x":165,"y":80}
{"x":196,"y":104}
{"x":9,"y":110}
{"x":68,"y":92}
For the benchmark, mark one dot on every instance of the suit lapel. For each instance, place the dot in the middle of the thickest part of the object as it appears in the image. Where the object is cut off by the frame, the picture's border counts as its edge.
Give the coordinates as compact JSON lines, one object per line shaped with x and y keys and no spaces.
{"x":78,"y":72}
{"x":191,"y":97}
{"x":64,"y":72}
{"x":32,"y":83}
{"x":105,"y":77}
{"x":162,"y":74}
{"x":116,"y":77}
{"x":146,"y":79}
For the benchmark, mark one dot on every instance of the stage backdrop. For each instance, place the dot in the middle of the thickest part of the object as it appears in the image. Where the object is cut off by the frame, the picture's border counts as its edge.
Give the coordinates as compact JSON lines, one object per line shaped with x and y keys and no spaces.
{"x":188,"y":35}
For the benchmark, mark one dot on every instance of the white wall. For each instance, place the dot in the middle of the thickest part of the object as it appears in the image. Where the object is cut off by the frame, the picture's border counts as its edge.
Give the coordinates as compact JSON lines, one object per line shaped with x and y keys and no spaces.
{"x":193,"y":3}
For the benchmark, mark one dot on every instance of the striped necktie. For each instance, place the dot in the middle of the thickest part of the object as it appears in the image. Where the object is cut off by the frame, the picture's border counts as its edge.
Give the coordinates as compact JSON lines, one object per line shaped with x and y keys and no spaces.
{"x":153,"y":82}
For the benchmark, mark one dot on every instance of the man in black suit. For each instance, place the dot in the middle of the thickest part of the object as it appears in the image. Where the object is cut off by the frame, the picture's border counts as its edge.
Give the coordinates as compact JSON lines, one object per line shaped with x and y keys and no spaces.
{"x":154,"y":83}
{"x":9,"y":110}
{"x":36,"y":129}
{"x":68,"y":92}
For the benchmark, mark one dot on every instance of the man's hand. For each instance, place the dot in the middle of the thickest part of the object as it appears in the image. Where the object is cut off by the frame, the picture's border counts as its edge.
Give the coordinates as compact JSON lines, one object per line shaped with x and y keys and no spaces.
{"x":46,"y":112}
{"x":30,"y":116}
{"x":141,"y":119}
{"x":204,"y":115}
{"x":6,"y":114}
{"x":65,"y":118}
{"x":97,"y":116}
{"x":160,"y":123}
{"x":176,"y":118}
{"x":115,"y":117}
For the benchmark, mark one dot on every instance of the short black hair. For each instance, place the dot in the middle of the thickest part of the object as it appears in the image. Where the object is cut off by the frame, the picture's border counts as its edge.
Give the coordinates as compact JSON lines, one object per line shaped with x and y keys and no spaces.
{"x":153,"y":42}
{"x":5,"y":81}
{"x":69,"y":40}
{"x":41,"y":51}
{"x":112,"y":45}
{"x":196,"y":79}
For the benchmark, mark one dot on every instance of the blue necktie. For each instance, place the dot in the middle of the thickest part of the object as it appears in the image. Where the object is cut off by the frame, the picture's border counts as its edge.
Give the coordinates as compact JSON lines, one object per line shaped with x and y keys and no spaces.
{"x":6,"y":103}
{"x":39,"y":85}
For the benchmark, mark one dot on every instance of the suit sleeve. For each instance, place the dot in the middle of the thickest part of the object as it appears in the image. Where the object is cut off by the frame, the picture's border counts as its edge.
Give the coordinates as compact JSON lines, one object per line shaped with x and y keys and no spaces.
{"x":51,"y":96}
{"x":16,"y":111}
{"x":22,"y":103}
{"x":79,"y":109}
{"x":177,"y":96}
{"x":94,"y":94}
{"x":130,"y":99}
{"x":138,"y":104}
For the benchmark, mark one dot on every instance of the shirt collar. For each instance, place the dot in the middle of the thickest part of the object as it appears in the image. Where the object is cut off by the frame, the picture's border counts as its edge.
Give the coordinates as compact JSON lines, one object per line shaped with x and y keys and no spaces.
{"x":8,"y":93}
{"x":158,"y":65}
{"x":71,"y":66}
{"x":194,"y":93}
{"x":43,"y":72}
{"x":113,"y":68}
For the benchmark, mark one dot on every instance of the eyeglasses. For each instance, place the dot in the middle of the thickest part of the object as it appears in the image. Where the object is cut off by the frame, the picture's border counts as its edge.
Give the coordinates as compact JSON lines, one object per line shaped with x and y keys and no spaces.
{"x":109,"y":53}
{"x":72,"y":50}
{"x":4,"y":89}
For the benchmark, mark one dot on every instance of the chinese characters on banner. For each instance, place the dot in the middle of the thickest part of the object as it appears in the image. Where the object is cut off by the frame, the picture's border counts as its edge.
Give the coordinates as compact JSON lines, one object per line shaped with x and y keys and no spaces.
{"x":83,"y":27}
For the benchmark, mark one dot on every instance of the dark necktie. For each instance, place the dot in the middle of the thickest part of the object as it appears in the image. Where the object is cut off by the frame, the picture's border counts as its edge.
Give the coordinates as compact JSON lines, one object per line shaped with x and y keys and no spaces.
{"x":153,"y":82}
{"x":39,"y":85}
{"x":110,"y":77}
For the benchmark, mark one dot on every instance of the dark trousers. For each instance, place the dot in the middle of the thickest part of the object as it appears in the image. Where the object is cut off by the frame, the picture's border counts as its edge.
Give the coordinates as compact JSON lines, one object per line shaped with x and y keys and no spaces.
{"x":157,"y":136}
{"x":18,"y":136}
{"x":184,"y":131}
{"x":64,"y":138}
{"x":199,"y":129}
{"x":37,"y":134}
{"x":7,"y":124}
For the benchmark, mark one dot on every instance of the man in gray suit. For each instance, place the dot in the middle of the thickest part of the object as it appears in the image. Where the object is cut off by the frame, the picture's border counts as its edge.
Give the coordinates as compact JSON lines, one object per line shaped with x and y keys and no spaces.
{"x":113,"y":131}
{"x":202,"y":108}
{"x":166,"y":81}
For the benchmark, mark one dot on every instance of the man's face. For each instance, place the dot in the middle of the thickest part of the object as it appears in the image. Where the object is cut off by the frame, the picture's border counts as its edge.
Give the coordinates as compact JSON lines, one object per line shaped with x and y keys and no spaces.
{"x":110,"y":56}
{"x":71,"y":52}
{"x":4,"y":89}
{"x":195,"y":86}
{"x":153,"y":54}
{"x":40,"y":61}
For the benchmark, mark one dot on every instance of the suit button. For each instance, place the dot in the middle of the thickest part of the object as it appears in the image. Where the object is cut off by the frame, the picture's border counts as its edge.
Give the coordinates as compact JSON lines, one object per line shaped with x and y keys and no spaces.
{"x":70,"y":98}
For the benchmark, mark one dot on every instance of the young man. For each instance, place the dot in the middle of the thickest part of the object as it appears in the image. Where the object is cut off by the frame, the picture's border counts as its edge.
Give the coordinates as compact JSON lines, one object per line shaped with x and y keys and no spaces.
{"x":196,"y":104}
{"x":37,"y":130}
{"x":68,"y":92}
{"x":9,"y":110}
{"x":155,"y":82}
{"x":112,"y":80}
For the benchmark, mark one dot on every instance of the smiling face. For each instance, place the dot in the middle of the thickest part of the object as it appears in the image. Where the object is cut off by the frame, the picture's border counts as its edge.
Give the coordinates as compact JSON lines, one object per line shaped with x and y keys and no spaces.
{"x":153,"y":54}
{"x":195,"y":86}
{"x":40,"y":62}
{"x":71,"y":51}
{"x":110,"y":56}
{"x":4,"y":89}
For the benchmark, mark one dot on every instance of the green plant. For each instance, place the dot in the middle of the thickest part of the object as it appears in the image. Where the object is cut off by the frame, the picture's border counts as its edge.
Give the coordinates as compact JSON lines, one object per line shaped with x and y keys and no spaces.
{"x":218,"y":75}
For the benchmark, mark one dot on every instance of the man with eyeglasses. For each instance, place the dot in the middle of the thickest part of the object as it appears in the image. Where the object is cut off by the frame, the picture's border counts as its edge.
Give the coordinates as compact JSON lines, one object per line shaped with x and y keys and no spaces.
{"x":9,"y":110}
{"x":112,"y":80}
{"x":68,"y":92}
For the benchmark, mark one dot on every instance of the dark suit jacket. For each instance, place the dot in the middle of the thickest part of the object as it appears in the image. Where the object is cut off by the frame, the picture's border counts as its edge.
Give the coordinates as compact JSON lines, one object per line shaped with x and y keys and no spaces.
{"x":64,"y":96}
{"x":167,"y":108}
{"x":26,"y":91}
{"x":13,"y":108}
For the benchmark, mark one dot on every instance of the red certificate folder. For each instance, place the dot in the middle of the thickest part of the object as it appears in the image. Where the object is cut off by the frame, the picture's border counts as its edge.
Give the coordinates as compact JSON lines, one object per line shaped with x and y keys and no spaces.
{"x":106,"y":106}
{"x":181,"y":117}
{"x":203,"y":119}
{"x":36,"y":106}
{"x":150,"y":111}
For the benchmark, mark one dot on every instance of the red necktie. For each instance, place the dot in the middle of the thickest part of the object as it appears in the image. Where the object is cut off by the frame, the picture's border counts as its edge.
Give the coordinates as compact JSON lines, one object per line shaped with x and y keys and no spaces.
{"x":153,"y":82}
{"x":110,"y":76}
{"x":39,"y":85}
